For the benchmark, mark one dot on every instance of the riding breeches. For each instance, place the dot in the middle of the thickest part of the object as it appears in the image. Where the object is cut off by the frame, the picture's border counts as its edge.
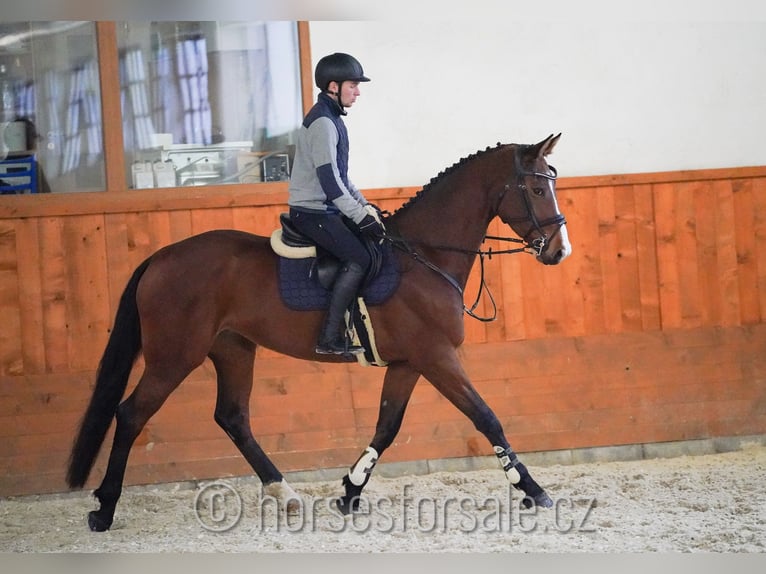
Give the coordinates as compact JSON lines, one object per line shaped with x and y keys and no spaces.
{"x":330,"y":232}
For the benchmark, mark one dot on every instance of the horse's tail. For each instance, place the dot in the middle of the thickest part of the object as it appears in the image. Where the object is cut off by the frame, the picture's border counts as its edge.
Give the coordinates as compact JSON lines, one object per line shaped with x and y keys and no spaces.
{"x":120,"y":354}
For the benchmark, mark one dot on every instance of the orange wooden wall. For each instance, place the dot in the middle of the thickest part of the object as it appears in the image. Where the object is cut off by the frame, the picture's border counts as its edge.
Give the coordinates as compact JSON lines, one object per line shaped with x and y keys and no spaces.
{"x":653,"y":330}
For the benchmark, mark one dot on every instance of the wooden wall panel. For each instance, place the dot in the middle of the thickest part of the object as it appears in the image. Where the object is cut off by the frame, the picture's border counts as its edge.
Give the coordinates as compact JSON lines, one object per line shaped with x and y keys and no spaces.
{"x":667,"y":256}
{"x":30,"y":297}
{"x":53,"y":265}
{"x":744,"y":228}
{"x":653,"y":330}
{"x":87,"y":294}
{"x":759,"y":228}
{"x":586,"y":258}
{"x":510,"y":308}
{"x":570,"y":294}
{"x":646,"y":252}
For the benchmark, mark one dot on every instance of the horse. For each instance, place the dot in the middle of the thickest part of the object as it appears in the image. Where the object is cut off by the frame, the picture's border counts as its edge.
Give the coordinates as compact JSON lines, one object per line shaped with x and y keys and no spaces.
{"x":216,"y":295}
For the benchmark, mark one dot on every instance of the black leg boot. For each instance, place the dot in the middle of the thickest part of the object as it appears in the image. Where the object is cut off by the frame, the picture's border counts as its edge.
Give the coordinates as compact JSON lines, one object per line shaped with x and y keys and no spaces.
{"x":332,"y":340}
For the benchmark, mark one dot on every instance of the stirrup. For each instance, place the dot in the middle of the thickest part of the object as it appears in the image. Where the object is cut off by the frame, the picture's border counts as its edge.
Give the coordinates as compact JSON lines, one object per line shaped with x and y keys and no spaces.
{"x":337,"y":347}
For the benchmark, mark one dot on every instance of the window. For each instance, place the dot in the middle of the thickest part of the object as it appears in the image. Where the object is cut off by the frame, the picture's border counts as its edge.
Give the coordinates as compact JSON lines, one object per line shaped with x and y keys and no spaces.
{"x":202,"y":103}
{"x":50,"y":108}
{"x":208,"y":102}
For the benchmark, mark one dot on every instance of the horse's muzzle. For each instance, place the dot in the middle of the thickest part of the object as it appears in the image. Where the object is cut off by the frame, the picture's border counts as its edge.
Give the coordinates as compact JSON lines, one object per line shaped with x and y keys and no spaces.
{"x":557,"y":249}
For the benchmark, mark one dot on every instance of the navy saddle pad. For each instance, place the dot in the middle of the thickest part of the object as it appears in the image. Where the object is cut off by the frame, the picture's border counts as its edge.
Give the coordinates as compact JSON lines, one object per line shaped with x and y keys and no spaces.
{"x":301,"y":291}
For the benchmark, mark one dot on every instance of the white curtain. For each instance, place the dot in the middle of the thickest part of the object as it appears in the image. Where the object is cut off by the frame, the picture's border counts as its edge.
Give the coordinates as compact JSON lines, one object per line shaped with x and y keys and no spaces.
{"x":257,"y":92}
{"x":283,"y":96}
{"x":191,"y":56}
{"x":78,"y":120}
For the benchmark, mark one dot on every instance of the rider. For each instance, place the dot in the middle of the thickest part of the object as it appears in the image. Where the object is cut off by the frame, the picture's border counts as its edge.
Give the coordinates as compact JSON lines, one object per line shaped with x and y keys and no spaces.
{"x":324,"y":204}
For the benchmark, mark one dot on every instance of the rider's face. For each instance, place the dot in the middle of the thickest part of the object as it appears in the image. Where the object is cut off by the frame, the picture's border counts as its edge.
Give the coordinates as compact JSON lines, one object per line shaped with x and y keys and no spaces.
{"x":348,"y":93}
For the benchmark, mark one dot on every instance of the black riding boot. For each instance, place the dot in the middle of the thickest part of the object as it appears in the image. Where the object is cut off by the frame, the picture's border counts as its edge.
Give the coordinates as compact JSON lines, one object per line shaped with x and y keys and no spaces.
{"x":332,"y":339}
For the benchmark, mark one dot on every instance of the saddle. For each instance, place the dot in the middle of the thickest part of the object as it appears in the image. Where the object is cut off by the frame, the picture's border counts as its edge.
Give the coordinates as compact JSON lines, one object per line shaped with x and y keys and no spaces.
{"x":306,"y":274}
{"x":290,"y":243}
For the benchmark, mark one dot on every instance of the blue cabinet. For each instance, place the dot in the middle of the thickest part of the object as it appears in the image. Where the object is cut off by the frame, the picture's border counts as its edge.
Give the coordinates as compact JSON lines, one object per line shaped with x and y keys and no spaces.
{"x":18,"y":175}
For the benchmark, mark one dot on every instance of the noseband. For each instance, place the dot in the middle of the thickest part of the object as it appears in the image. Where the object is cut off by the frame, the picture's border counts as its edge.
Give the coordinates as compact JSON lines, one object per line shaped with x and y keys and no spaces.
{"x":537,"y":245}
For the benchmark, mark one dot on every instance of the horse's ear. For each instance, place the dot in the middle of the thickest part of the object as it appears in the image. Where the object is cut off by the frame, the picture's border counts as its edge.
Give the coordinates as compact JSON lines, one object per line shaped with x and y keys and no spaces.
{"x":546,"y":146}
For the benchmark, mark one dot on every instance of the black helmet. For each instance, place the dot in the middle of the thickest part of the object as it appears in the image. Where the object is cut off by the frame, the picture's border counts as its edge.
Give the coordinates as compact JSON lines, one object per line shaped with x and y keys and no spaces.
{"x":338,"y":67}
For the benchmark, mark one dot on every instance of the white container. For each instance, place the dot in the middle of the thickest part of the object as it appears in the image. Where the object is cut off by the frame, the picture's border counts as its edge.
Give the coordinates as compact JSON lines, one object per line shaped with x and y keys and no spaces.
{"x":15,"y":136}
{"x":164,"y":174}
{"x":143,"y":175}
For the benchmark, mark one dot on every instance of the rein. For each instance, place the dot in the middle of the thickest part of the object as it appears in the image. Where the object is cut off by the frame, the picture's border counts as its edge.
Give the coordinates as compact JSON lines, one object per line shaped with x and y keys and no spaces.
{"x":406,"y":246}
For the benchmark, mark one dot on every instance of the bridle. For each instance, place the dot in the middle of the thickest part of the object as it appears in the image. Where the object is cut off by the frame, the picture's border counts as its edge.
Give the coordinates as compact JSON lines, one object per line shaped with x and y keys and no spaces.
{"x":537,"y":245}
{"x":534,"y":247}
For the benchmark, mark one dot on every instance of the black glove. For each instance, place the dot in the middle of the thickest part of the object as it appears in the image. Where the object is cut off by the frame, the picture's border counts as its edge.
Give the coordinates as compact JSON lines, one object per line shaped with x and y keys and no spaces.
{"x":371,"y":226}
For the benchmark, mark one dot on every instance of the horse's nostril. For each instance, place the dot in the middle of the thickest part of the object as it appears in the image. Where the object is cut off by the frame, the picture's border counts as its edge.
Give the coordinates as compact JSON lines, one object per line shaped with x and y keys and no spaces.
{"x":556,"y":257}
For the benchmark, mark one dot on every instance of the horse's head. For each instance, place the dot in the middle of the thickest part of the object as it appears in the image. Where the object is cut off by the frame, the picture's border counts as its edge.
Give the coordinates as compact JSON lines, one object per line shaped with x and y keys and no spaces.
{"x":528,"y":203}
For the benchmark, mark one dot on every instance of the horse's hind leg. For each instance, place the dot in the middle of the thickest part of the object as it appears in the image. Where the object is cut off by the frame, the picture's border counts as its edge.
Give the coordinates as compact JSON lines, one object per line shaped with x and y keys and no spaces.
{"x":233,"y":357}
{"x":132,"y":415}
{"x":398,"y":385}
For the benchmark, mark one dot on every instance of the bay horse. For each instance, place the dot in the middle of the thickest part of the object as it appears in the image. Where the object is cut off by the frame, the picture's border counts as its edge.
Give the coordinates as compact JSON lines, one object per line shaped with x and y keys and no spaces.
{"x":216,"y":295}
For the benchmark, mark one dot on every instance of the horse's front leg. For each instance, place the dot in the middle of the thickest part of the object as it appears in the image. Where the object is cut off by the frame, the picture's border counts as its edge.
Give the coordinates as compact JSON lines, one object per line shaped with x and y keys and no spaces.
{"x":398,"y":384}
{"x":446,"y":374}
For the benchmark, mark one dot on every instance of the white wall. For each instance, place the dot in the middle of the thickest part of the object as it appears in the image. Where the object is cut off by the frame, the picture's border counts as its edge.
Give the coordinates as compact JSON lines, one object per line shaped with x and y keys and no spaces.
{"x":628,"y":97}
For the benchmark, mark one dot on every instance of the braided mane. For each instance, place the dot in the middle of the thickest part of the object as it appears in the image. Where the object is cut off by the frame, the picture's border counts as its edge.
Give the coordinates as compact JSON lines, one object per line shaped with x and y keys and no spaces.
{"x":442,"y":174}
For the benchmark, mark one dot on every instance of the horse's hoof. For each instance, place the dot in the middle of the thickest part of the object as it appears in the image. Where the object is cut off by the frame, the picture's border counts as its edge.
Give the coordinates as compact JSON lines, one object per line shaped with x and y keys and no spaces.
{"x":293,"y":506}
{"x":347,"y":505}
{"x":96,"y":523}
{"x":542,"y":499}
{"x":342,"y":506}
{"x":283,"y":492}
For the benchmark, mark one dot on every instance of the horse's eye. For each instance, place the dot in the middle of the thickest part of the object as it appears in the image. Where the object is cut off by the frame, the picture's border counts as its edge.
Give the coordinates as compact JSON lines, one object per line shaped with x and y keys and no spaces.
{"x":538,"y":191}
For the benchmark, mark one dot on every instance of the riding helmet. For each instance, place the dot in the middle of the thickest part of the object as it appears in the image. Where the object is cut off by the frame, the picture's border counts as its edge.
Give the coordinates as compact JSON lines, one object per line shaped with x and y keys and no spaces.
{"x":338,"y":67}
